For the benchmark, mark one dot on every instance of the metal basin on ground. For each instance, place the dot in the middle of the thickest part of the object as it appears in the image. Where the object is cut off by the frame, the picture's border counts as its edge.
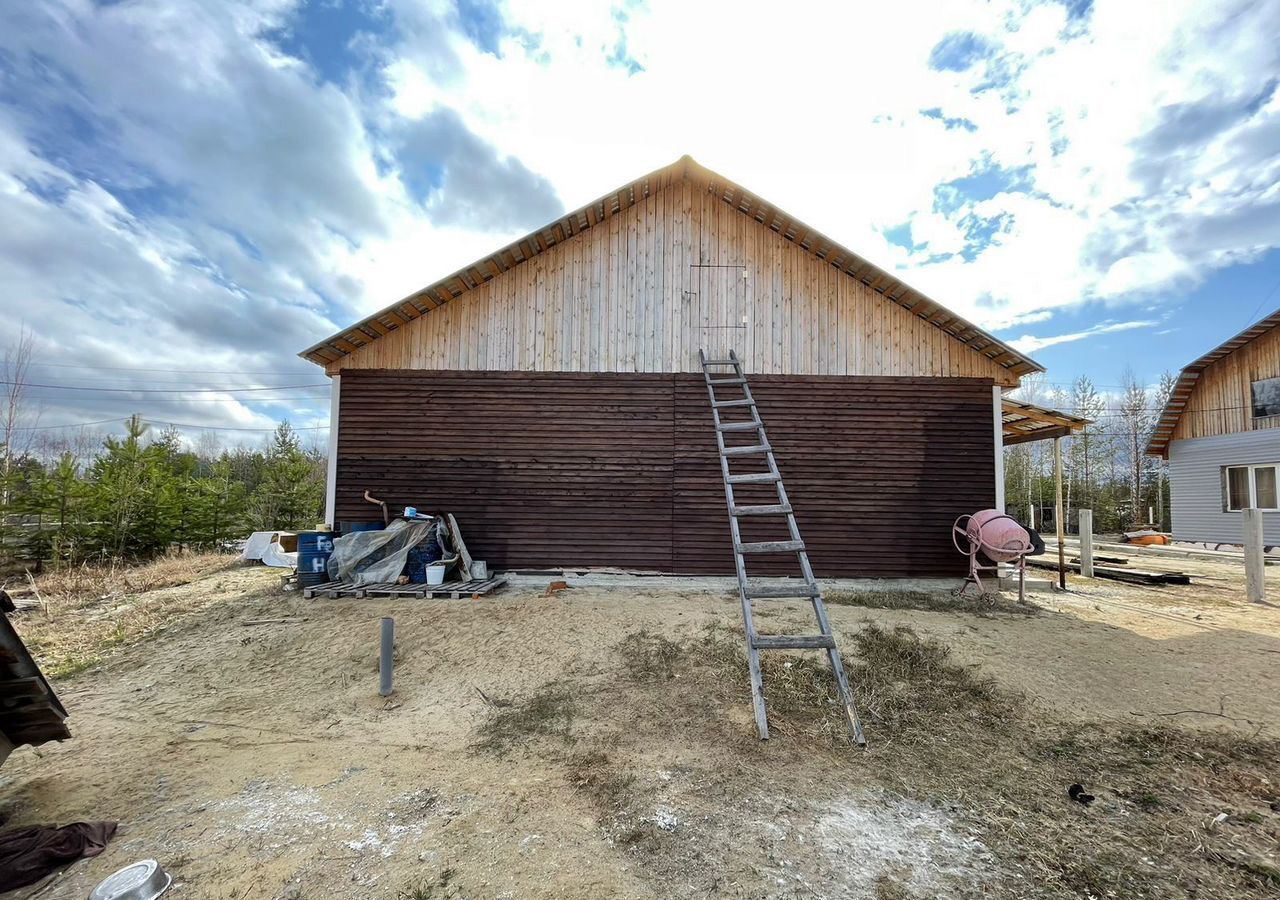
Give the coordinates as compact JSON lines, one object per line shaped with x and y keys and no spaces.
{"x":143,"y":880}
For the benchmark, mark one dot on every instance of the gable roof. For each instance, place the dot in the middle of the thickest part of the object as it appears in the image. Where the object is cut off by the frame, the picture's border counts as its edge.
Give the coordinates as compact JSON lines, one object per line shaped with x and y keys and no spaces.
{"x":451,"y":287}
{"x":1190,"y":375}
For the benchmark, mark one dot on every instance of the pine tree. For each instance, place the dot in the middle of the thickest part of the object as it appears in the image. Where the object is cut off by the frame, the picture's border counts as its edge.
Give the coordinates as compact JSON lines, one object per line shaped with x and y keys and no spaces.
{"x":56,"y":507}
{"x":288,"y":495}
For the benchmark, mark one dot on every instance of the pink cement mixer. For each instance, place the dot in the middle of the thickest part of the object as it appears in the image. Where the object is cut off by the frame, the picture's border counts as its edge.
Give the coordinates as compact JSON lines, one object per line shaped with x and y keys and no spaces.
{"x":999,"y":539}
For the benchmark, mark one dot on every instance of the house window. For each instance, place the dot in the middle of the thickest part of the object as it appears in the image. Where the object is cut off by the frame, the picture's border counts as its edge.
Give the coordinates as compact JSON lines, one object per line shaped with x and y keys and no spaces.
{"x":1251,"y":487}
{"x":1266,"y":398}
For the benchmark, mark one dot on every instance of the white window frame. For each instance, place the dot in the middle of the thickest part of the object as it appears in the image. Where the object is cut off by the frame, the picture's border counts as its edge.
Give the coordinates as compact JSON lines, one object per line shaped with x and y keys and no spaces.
{"x":1253,"y":487}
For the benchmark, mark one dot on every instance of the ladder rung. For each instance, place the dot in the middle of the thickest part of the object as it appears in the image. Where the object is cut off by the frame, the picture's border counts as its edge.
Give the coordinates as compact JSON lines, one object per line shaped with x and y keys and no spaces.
{"x":774,"y":509}
{"x":794,"y":642}
{"x":746,"y":451}
{"x":720,"y":362}
{"x":771,"y":547}
{"x":726,"y":381}
{"x":755,"y":478}
{"x":799,"y":589}
{"x":721,"y":404}
{"x":739,"y":426}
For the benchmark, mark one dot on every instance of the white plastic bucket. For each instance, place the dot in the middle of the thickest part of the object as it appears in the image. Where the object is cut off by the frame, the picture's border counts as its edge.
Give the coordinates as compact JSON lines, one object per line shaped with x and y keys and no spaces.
{"x":435,"y":573}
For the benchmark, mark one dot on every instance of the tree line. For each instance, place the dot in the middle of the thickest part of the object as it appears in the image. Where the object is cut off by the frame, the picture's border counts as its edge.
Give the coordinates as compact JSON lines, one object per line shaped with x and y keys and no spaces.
{"x":140,"y":494}
{"x":71,"y":494}
{"x":1104,"y":466}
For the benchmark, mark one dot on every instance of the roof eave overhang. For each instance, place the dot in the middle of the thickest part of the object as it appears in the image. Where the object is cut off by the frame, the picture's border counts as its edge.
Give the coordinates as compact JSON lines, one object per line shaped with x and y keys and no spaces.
{"x":1176,"y":403}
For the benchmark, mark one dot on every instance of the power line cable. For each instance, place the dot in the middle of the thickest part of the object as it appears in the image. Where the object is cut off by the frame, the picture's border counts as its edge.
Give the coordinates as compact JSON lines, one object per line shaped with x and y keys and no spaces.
{"x":1262,"y":302}
{"x":310,"y":401}
{"x":240,"y":390}
{"x":70,"y":425}
{"x":231,"y":427}
{"x":191,"y":383}
{"x":151,"y":369}
{"x":151,"y":421}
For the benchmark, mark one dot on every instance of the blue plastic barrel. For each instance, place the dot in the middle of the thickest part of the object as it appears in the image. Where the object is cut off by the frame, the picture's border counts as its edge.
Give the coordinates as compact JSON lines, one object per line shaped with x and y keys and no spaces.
{"x":314,"y":548}
{"x":348,"y":527}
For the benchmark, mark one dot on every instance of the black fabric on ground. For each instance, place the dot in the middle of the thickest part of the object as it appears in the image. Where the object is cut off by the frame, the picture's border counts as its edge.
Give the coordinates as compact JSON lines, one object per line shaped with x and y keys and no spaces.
{"x":29,"y":854}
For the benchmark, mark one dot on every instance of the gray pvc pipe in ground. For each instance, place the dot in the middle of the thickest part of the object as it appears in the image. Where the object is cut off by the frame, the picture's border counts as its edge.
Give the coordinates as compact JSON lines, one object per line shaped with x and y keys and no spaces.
{"x":385,"y":662}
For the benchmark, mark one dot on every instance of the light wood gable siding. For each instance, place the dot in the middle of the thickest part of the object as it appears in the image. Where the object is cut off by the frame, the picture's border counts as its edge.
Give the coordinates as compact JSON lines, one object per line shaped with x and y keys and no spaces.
{"x":644,"y":290}
{"x":1222,"y":400}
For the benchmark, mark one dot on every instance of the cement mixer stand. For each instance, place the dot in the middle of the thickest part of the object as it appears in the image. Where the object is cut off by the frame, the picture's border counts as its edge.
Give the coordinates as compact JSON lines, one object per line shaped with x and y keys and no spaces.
{"x":757,"y":446}
{"x":968,"y":531}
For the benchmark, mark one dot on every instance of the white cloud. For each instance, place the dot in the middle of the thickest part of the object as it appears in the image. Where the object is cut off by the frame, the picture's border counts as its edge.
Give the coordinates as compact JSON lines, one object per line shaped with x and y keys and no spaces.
{"x":1121,"y":204}
{"x":1030,"y":344}
{"x":178,"y":191}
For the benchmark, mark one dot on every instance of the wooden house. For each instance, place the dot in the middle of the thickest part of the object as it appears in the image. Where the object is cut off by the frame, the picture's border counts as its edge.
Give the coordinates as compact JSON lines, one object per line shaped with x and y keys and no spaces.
{"x":1220,"y":432}
{"x":550,"y":394}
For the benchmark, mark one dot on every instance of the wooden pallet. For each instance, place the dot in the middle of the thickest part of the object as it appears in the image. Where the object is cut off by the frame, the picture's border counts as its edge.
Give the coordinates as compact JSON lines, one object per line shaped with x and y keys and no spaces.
{"x":453,"y":590}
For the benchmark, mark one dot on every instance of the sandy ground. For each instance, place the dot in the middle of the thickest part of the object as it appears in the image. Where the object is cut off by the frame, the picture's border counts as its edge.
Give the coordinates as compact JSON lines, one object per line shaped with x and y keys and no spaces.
{"x":257,"y":760}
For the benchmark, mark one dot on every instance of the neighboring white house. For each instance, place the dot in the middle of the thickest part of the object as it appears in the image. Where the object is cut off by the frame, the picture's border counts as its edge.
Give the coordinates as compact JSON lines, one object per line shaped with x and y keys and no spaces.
{"x":1220,"y":432}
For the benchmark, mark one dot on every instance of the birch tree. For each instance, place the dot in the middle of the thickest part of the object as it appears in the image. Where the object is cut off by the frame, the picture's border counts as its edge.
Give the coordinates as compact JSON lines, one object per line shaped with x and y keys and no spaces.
{"x":17,"y":417}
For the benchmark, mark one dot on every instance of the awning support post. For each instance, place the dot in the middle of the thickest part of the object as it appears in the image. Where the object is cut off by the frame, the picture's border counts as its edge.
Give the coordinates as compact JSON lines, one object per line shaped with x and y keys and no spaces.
{"x":1058,"y":518}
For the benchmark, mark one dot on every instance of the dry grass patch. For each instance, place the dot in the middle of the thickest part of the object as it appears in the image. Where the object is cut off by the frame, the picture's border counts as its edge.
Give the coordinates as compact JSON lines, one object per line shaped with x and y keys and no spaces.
{"x":595,"y":776}
{"x":442,"y":885}
{"x":549,"y":712}
{"x":647,"y":656}
{"x":87,"y":610}
{"x":1178,"y":814}
{"x":978,"y":605}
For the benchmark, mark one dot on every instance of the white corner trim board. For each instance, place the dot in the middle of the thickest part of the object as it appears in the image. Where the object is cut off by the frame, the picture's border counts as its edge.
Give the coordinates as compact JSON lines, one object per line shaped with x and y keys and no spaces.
{"x":997,"y":411}
{"x":331,"y":470}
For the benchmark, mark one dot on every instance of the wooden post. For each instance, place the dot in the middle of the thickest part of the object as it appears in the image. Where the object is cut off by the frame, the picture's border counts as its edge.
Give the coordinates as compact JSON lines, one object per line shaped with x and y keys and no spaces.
{"x":1254,"y":564}
{"x":1057,"y":513}
{"x":386,"y":656}
{"x":1086,"y":542}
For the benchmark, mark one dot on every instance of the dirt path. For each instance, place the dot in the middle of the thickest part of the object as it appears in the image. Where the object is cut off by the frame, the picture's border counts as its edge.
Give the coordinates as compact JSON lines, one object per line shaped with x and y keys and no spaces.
{"x":258,"y":760}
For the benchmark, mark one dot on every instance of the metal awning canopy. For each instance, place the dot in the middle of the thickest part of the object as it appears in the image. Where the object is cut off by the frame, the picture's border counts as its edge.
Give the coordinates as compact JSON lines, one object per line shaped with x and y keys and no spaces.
{"x":1024,"y":422}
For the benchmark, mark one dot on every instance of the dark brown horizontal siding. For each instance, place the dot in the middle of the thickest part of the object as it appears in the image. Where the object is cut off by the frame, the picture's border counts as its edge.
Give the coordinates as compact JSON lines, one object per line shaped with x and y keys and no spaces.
{"x":578,"y":469}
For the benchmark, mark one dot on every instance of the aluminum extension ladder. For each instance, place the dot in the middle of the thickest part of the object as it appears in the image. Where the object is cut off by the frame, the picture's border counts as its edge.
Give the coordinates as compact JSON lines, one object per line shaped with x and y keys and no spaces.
{"x":758,"y":446}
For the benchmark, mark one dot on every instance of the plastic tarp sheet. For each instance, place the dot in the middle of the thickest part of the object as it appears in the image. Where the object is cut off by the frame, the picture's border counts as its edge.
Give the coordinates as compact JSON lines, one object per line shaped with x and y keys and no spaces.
{"x":257,"y":543}
{"x":279,"y":558}
{"x":371,"y":557}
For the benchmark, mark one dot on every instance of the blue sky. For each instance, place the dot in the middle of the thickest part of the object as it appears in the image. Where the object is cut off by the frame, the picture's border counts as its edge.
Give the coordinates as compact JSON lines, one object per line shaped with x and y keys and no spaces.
{"x":193,"y":192}
{"x":1186,"y":325}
